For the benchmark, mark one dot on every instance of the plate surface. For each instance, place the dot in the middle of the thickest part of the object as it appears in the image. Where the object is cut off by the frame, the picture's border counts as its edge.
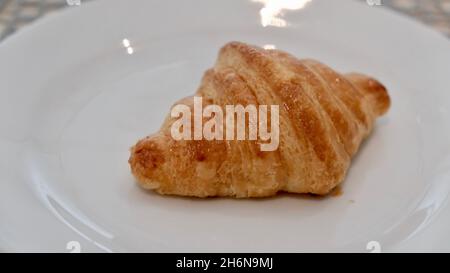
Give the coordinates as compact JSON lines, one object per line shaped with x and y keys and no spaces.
{"x":74,"y":97}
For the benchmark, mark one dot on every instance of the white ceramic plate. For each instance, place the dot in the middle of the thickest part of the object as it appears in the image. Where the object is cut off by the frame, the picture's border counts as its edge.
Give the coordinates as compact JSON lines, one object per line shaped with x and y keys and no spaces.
{"x":73,"y":100}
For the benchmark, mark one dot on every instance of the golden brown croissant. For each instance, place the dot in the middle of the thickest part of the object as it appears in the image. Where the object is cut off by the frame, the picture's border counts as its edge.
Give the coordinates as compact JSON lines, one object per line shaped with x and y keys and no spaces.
{"x":323,"y":118}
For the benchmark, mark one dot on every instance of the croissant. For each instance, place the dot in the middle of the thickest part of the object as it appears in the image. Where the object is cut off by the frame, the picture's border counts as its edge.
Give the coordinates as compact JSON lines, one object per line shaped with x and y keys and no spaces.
{"x":323,"y":118}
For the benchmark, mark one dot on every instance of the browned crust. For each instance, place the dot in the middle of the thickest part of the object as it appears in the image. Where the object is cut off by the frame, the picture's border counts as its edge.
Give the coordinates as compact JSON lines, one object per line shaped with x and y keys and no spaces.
{"x":324,"y":116}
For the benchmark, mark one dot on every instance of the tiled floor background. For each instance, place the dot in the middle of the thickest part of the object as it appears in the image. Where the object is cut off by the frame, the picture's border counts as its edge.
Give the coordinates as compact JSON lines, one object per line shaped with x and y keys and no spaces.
{"x":435,"y":13}
{"x":16,"y":13}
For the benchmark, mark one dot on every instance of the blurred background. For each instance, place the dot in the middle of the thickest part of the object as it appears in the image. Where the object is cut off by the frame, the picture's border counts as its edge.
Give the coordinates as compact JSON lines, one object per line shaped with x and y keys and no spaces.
{"x":14,"y":14}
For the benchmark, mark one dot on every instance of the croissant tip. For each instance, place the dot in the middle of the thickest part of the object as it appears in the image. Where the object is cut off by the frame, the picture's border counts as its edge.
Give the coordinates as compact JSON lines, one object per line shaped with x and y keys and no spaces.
{"x":146,"y":157}
{"x":374,"y":90}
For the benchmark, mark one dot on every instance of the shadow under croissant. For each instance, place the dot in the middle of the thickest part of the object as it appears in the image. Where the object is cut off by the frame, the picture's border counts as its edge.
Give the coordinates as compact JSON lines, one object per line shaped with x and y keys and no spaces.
{"x":336,"y":192}
{"x":279,"y":195}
